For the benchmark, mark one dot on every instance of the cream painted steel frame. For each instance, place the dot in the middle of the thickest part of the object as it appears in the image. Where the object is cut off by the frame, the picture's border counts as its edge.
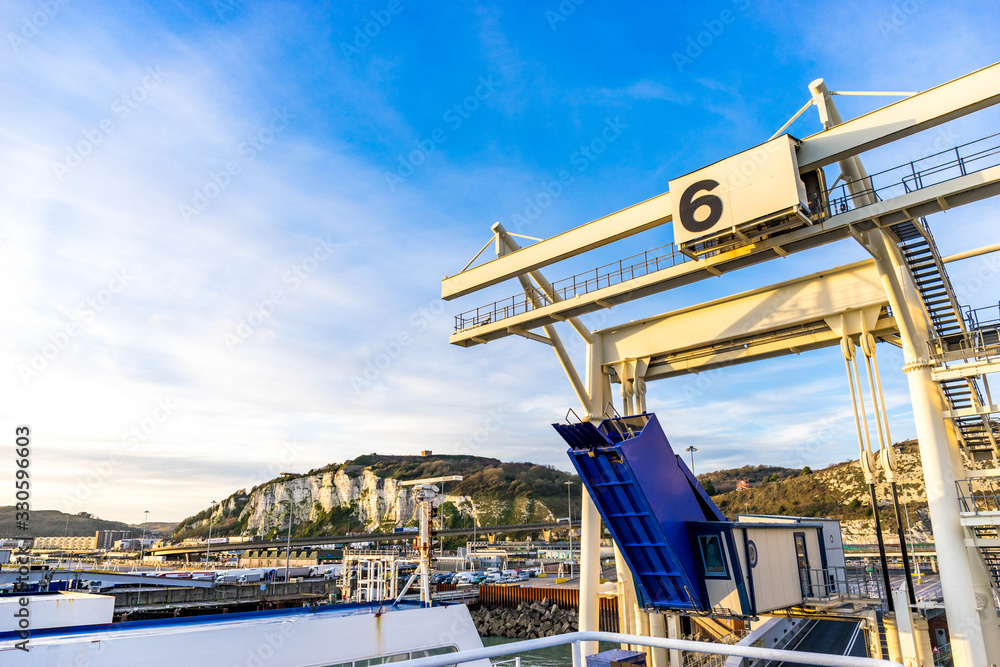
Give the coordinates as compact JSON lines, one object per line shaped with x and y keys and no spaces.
{"x":786,"y":318}
{"x":954,"y":99}
{"x":932,"y":199}
{"x":967,"y":593}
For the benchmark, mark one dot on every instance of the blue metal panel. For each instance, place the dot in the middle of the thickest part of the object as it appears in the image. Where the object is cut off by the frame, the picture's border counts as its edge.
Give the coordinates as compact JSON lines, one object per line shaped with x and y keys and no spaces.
{"x":646,"y":496}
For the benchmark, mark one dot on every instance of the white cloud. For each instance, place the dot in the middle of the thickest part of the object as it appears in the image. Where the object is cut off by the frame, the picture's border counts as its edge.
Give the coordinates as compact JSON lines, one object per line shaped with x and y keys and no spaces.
{"x":163,"y":335}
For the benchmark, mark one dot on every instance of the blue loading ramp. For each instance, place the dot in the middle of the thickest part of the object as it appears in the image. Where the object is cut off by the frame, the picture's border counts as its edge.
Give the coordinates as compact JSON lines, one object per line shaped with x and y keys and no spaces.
{"x":646,"y":496}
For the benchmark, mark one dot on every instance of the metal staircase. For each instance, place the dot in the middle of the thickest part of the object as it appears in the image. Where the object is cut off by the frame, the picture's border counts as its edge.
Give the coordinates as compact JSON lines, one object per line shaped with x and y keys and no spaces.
{"x":975,"y":432}
{"x":960,"y":356}
{"x":955,"y":343}
{"x":985,"y":538}
{"x":979,"y":499}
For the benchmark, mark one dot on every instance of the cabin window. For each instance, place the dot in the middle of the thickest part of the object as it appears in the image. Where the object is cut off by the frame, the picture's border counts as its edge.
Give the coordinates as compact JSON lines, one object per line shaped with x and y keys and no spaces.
{"x":711,"y":555}
{"x":426,"y":653}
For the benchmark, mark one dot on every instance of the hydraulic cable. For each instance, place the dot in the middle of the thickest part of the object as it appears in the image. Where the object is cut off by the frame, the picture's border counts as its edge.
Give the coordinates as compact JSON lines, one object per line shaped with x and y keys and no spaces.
{"x":864,"y":445}
{"x":886,"y":455}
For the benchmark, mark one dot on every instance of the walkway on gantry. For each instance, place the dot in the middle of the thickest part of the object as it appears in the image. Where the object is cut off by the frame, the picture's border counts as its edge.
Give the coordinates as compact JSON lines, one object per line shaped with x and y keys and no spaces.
{"x":911,"y":192}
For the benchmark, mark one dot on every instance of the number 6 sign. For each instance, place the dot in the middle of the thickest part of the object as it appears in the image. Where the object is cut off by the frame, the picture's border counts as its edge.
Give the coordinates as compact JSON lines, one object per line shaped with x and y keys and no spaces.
{"x":749,"y":186}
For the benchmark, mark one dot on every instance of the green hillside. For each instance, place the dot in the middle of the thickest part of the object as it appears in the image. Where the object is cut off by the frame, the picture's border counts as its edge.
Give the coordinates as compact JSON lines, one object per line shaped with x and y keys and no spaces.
{"x":838,"y":491}
{"x":723,"y":481}
{"x":516,"y":493}
{"x":53,"y":523}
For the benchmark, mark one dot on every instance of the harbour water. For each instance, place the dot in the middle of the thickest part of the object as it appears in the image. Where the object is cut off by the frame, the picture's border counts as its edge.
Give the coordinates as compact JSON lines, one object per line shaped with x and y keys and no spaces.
{"x":556,"y":656}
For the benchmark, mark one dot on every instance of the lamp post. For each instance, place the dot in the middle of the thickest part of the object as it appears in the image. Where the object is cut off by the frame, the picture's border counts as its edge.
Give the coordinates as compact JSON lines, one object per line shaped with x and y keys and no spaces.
{"x":142,"y":540}
{"x":208,"y":544}
{"x":692,"y":449}
{"x":569,"y":519}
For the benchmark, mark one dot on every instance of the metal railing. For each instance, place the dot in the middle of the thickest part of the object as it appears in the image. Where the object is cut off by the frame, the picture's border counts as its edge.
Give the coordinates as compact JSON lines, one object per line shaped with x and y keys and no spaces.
{"x":842,"y":583}
{"x":943,"y":657}
{"x":908,"y":177}
{"x":979,"y":344}
{"x":577,"y":638}
{"x":508,"y":662}
{"x":918,"y":174}
{"x":987,"y":316}
{"x":979,"y":495}
{"x":636,"y":266}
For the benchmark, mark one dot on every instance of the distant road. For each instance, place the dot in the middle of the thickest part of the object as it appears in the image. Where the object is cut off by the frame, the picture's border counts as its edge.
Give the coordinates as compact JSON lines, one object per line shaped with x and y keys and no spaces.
{"x":347,"y":539}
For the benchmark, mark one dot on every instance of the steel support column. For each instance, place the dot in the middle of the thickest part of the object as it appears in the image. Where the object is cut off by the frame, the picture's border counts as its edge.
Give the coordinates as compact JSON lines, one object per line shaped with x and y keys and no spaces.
{"x":971,"y":629}
{"x":598,"y":391}
{"x":963,"y":584}
{"x":590,"y":570}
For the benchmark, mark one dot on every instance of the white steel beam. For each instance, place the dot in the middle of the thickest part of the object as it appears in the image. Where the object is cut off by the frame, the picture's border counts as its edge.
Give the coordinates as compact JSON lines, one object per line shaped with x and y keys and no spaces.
{"x":932,"y":199}
{"x":975,"y":411}
{"x":786,"y":318}
{"x":954,"y":99}
{"x":948,"y":101}
{"x":969,"y":369}
{"x":632,"y":220}
{"x":811,"y":338}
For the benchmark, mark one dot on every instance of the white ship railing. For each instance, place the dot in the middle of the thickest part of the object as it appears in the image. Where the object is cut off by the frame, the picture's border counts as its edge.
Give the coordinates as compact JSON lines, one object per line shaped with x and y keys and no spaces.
{"x":575,"y":638}
{"x":509,"y":662}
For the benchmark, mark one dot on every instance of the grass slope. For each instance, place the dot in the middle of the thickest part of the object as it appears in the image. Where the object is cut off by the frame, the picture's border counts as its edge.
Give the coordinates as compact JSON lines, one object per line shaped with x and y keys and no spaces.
{"x":53,"y":523}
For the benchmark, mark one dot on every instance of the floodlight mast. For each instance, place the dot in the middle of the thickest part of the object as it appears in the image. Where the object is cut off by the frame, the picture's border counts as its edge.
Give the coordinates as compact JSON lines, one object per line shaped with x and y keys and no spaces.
{"x":966,"y":583}
{"x":425,"y":493}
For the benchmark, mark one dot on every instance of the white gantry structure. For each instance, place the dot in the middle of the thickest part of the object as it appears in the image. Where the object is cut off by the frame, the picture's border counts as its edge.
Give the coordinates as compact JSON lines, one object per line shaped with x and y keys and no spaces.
{"x":766,"y":203}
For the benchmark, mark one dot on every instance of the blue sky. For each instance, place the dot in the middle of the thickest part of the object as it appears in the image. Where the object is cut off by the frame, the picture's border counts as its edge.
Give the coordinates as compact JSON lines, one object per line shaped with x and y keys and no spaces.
{"x":219,"y":218}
